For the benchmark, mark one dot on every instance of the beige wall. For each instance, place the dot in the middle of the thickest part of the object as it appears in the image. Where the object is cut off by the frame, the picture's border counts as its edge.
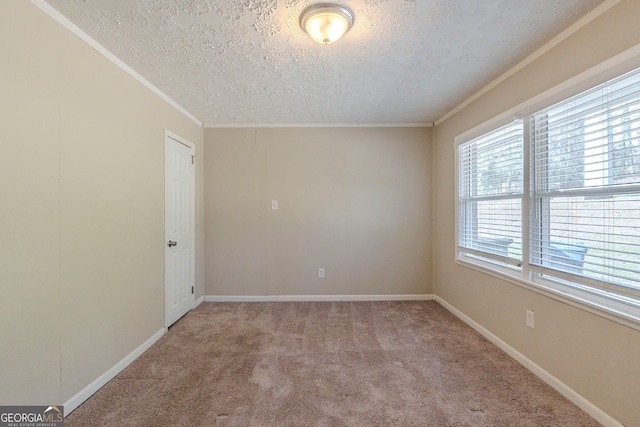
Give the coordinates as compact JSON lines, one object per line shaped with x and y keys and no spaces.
{"x":354,"y":201}
{"x":596,"y":357}
{"x":82,"y":218}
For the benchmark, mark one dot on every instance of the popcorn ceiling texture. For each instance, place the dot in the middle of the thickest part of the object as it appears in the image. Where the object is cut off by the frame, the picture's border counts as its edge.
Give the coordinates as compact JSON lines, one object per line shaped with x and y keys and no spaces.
{"x":249,"y":62}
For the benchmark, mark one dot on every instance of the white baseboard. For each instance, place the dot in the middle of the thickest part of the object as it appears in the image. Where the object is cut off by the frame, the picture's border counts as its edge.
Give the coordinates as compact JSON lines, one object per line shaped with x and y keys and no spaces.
{"x":198,"y":301}
{"x":591,"y":409}
{"x":99,"y":382}
{"x":326,"y":298}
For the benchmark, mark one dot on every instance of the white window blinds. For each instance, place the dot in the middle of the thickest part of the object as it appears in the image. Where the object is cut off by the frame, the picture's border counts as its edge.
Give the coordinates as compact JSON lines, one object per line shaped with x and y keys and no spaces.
{"x":491,"y":184}
{"x":585,"y":187}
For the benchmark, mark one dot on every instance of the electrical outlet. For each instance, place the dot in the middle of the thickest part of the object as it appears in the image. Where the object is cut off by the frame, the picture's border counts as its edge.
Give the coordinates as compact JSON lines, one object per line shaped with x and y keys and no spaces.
{"x":530,"y":319}
{"x":321,"y":273}
{"x":274,"y":205}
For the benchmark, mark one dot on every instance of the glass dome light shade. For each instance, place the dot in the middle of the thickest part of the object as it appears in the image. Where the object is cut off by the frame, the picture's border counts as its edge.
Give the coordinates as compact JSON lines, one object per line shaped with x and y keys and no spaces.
{"x":326,"y":22}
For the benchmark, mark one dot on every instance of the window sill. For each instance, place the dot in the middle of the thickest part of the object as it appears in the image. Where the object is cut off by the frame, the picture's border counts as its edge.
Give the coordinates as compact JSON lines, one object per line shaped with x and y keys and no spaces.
{"x":626,"y":313}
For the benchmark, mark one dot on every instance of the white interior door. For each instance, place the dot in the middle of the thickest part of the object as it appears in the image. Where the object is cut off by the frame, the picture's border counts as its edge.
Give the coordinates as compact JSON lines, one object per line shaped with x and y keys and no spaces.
{"x":179,"y":228}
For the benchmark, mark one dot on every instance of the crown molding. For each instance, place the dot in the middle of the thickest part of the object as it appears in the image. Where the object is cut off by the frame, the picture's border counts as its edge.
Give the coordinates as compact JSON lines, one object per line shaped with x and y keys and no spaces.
{"x":49,"y":10}
{"x":601,"y":9}
{"x":318,"y":125}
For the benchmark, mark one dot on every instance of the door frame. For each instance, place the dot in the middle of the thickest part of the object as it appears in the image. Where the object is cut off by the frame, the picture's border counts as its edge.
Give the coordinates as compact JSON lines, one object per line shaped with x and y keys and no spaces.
{"x":168,"y":136}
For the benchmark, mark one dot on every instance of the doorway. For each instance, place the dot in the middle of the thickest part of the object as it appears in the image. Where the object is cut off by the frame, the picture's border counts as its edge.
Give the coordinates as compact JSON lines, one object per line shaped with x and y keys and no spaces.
{"x":179,"y":227}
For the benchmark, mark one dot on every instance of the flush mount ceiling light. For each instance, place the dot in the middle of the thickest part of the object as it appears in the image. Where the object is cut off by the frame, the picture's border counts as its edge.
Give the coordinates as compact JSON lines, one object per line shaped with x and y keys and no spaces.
{"x":326,"y":22}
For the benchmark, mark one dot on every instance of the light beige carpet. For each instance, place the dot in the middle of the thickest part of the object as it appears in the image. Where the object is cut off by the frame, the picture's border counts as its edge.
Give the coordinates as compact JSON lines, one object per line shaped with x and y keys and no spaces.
{"x":325,"y":364}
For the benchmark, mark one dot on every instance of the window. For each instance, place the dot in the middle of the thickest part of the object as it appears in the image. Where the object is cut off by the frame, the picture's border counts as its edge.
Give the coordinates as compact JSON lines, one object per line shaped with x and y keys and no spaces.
{"x":555,"y":197}
{"x":490,"y":195}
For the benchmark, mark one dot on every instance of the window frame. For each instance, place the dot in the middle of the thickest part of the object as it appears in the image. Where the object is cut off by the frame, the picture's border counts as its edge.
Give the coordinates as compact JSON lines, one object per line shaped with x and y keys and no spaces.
{"x":623,"y":308}
{"x":467,"y":195}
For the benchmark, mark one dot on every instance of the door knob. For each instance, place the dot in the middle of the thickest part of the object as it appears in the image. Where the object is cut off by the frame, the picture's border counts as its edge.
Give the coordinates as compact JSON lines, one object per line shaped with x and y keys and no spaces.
{"x":172,"y":243}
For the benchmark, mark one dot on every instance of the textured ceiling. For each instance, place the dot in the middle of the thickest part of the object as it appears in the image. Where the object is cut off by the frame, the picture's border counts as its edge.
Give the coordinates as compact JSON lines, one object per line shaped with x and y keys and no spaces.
{"x":249,"y":62}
